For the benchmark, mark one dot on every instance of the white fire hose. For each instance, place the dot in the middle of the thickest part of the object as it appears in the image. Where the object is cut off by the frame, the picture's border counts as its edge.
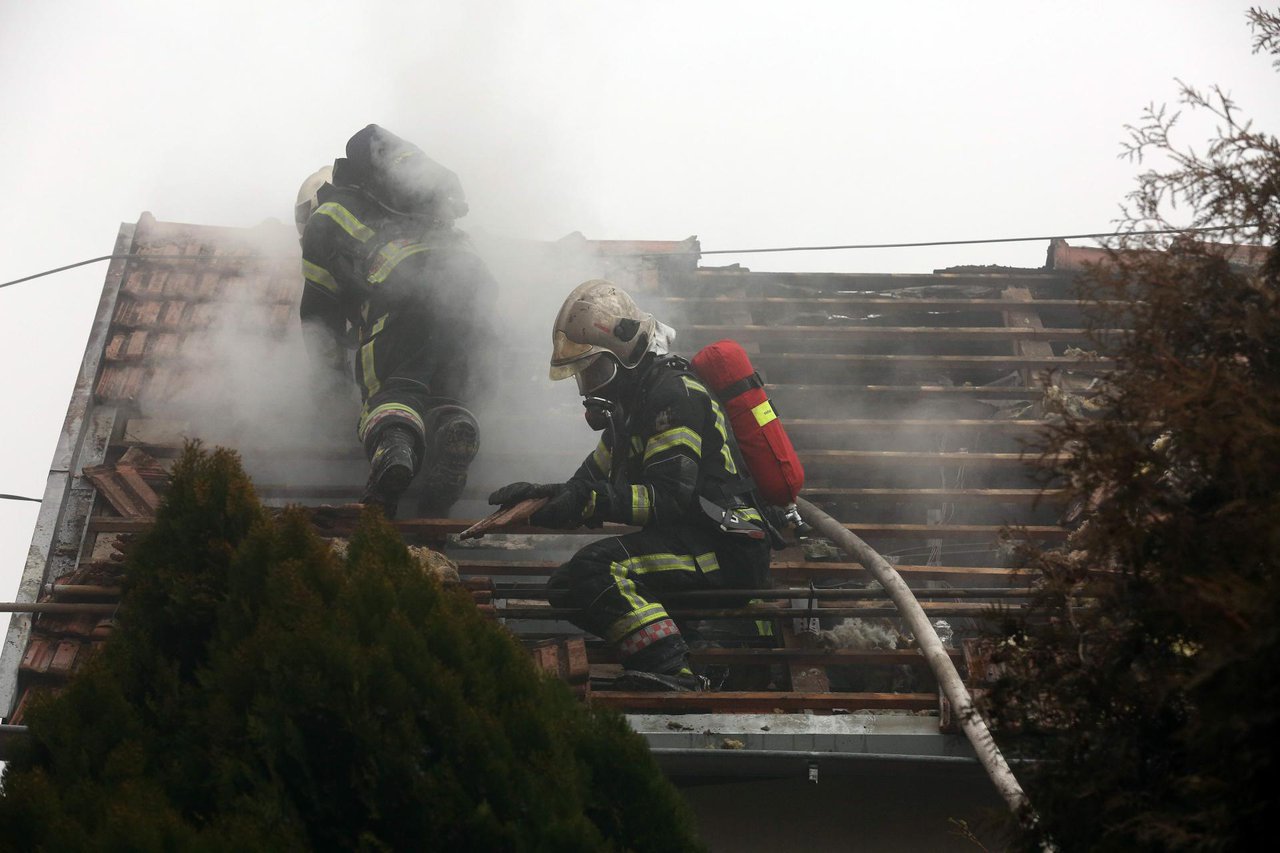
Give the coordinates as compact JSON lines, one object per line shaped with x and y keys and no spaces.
{"x":939,"y":661}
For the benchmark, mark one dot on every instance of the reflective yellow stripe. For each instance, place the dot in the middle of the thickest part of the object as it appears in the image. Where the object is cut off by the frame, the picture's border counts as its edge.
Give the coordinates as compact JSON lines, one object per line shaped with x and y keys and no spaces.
{"x":707,"y":562}
{"x":649,"y":563}
{"x":718,"y":411}
{"x":346,"y":220}
{"x":369,"y":417}
{"x":602,"y":458}
{"x":673,"y":438}
{"x":590,"y":509}
{"x":367,"y":369}
{"x":390,"y":255}
{"x":635,"y":620}
{"x":764,"y":413}
{"x":641,"y":507}
{"x":319,"y":275}
{"x":626,"y":587}
{"x":764,"y":627}
{"x":637,"y":444}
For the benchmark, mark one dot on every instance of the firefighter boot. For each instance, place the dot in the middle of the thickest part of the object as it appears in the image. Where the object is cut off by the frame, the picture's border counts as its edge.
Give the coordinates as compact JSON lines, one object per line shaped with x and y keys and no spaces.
{"x":393,"y":464}
{"x":661,"y":666}
{"x":455,"y":442}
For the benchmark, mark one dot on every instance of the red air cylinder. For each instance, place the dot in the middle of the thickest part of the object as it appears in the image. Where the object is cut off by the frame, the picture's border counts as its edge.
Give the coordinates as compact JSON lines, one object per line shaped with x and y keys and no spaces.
{"x":765,"y":446}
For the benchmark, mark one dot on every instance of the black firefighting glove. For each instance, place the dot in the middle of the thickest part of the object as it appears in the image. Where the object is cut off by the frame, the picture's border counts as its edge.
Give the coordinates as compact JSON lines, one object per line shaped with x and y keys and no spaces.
{"x":516,"y":492}
{"x":565,"y":509}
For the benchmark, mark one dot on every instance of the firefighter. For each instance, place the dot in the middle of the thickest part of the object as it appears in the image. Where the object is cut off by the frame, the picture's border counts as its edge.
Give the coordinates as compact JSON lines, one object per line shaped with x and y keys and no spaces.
{"x":386,"y":272}
{"x":668,"y":463}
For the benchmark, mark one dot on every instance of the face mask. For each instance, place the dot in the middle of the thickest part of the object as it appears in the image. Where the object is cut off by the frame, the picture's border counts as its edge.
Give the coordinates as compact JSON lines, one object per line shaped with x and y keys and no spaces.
{"x":596,"y":375}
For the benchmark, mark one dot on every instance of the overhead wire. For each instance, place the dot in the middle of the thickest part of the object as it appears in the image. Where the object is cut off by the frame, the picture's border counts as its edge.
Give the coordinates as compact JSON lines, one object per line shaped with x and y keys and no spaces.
{"x":749,"y":251}
{"x":132,"y":256}
{"x":19,"y":498}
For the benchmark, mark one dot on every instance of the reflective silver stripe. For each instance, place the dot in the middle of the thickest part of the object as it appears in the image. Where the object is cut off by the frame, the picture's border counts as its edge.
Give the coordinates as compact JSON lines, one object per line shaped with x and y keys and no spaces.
{"x":390,"y":255}
{"x":346,"y":220}
{"x":707,"y":562}
{"x":318,"y":275}
{"x":641,"y":506}
{"x":648,"y":563}
{"x":627,"y":589}
{"x":368,"y":370}
{"x":718,"y":411}
{"x":673,"y":438}
{"x":635,"y":620}
{"x":388,"y":411}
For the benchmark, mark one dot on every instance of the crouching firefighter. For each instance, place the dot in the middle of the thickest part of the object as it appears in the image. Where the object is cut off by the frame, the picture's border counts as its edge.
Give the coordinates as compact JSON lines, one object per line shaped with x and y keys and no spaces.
{"x":667,"y":462}
{"x":385,"y":269}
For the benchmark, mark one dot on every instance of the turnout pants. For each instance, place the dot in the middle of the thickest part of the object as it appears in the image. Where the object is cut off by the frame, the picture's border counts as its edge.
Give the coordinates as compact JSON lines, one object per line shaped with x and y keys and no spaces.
{"x":398,"y":371}
{"x":617,"y":585}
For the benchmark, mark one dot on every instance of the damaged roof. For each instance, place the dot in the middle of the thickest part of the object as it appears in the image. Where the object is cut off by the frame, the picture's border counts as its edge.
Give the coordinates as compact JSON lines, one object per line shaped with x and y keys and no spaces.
{"x":909,"y":397}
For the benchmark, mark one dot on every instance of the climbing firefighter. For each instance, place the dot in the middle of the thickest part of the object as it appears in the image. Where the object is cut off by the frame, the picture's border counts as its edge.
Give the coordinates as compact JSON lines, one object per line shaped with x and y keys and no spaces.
{"x":385,"y":269}
{"x":667,"y":462}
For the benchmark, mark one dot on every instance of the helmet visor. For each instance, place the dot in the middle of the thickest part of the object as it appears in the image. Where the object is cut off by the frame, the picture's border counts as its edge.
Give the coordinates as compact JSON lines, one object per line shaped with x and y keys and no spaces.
{"x":596,"y":373}
{"x":568,"y":357}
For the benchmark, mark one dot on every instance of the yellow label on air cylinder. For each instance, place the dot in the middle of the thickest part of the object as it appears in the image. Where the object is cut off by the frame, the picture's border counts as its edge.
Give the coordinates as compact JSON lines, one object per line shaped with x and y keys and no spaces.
{"x":764,"y":413}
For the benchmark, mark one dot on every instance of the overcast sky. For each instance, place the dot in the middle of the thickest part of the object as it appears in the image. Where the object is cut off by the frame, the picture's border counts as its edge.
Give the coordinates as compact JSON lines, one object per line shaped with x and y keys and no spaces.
{"x":746,"y":123}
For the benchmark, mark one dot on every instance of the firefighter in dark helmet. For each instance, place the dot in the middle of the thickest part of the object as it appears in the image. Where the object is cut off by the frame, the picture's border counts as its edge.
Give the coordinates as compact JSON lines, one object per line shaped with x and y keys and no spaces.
{"x":386,"y":271}
{"x":667,"y":462}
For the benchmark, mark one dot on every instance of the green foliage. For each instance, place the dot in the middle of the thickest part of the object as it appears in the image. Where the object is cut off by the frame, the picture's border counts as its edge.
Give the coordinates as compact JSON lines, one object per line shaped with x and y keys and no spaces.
{"x":263,"y":693}
{"x":1146,"y":679}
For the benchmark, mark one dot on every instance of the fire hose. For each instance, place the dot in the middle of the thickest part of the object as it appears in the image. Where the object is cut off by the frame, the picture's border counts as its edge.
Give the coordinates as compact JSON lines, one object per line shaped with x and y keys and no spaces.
{"x":971,"y":723}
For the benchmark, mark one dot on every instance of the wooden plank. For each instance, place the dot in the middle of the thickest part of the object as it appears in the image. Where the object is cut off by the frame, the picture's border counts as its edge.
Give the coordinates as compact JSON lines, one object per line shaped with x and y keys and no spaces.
{"x":1012,"y":362}
{"x":828,"y":282}
{"x":780,"y":568}
{"x":441,"y":527}
{"x":762,"y":702}
{"x":967,"y":609}
{"x":818,"y":657}
{"x":844,"y":332}
{"x":1047,"y":496}
{"x":914,"y":392}
{"x":829,"y":426}
{"x":877,"y":304}
{"x":912,"y":458}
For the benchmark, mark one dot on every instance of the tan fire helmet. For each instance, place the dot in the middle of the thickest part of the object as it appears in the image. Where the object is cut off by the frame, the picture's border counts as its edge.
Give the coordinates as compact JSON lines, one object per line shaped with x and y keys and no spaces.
{"x":308,"y":194}
{"x":599,"y":328}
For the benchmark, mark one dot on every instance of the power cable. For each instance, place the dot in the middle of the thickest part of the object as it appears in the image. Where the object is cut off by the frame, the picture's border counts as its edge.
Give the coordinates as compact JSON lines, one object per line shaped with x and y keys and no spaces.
{"x":19,"y":498}
{"x":758,"y":251}
{"x":133,"y":255}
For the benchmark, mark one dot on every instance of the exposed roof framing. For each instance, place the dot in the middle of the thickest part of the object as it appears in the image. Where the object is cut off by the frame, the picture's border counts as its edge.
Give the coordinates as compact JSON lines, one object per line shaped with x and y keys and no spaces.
{"x":911,"y":399}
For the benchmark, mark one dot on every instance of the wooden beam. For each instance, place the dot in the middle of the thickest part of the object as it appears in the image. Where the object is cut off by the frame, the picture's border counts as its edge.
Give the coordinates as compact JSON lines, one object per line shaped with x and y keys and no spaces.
{"x":442,"y":527}
{"x":1011,"y":362}
{"x":834,"y":332}
{"x":763,"y":702}
{"x":986,"y":496}
{"x":877,"y":304}
{"x":781,"y":568}
{"x":817,"y":657}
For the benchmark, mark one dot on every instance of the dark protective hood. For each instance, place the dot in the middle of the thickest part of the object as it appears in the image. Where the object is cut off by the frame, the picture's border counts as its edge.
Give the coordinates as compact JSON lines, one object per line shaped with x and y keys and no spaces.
{"x":400,"y":176}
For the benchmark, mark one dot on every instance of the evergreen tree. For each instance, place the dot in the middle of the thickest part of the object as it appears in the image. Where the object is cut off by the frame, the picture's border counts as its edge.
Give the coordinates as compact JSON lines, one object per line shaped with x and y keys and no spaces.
{"x":262,"y":693}
{"x":1145,"y":680}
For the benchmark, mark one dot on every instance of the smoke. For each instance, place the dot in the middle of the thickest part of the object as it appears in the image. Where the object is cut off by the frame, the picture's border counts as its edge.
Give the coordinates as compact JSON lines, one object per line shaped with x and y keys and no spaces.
{"x":243,"y":379}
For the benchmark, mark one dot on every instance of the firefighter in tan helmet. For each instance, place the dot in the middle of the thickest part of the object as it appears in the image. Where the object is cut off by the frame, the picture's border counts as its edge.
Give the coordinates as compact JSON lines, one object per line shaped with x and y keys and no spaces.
{"x":667,"y":462}
{"x":386,"y":271}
